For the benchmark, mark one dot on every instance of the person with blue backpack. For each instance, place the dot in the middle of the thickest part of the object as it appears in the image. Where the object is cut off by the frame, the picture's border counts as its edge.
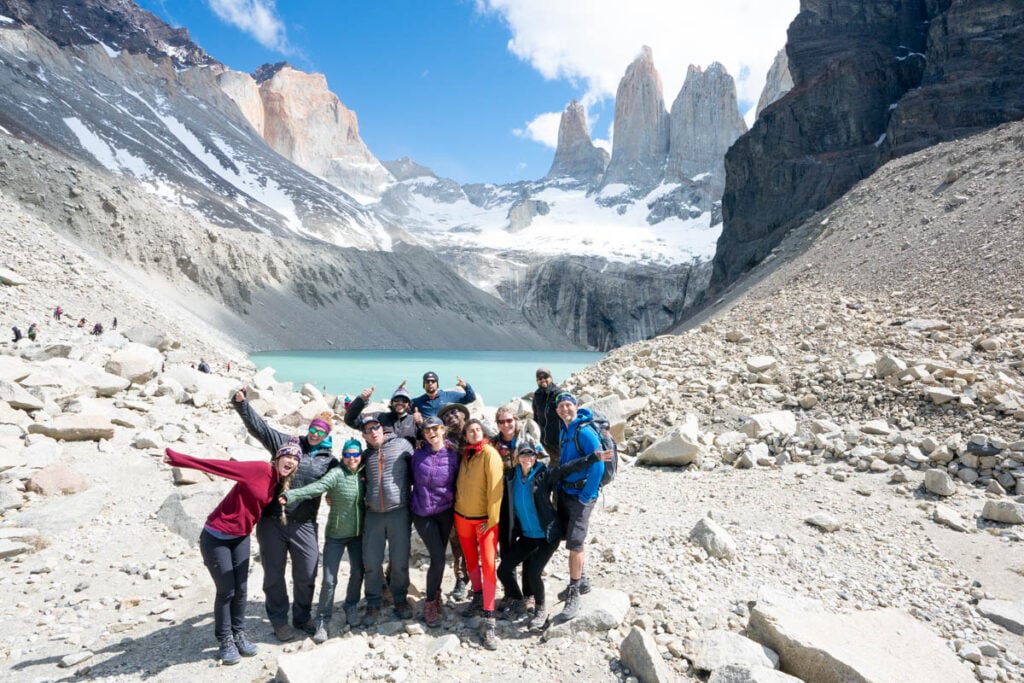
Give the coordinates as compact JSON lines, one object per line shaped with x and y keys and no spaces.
{"x":577,"y":493}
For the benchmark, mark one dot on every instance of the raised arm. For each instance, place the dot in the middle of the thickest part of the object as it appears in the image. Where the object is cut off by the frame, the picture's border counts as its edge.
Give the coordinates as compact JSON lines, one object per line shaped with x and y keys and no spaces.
{"x":257,"y":426}
{"x":229,"y":469}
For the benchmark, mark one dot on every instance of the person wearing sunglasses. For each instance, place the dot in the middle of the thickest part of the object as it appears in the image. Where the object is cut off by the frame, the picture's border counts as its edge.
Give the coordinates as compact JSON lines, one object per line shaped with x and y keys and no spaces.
{"x":398,"y":419}
{"x":505,"y":442}
{"x":345,"y":486}
{"x":387,"y":462}
{"x":435,"y":465}
{"x":295,"y":538}
{"x":545,"y":415}
{"x":433,"y":398}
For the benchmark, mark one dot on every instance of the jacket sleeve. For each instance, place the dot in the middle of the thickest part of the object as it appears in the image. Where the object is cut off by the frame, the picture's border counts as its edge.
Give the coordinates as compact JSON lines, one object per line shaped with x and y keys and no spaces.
{"x":229,"y":469}
{"x":468,"y":397}
{"x":321,"y":485}
{"x":495,"y":478}
{"x":355,"y":409}
{"x":590,"y":443}
{"x":267,"y":435}
{"x":554,"y":474}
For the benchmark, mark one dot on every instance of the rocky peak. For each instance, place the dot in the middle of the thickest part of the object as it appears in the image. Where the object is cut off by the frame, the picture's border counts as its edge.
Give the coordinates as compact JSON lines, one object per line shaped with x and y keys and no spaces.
{"x":405,"y":168}
{"x":119,"y":24}
{"x":778,"y":82}
{"x":641,"y":129}
{"x":704,"y":123}
{"x":576,"y":156}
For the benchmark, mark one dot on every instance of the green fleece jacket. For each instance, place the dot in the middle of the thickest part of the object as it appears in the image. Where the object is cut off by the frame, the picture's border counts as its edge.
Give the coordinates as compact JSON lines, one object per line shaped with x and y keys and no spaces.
{"x":346,"y":489}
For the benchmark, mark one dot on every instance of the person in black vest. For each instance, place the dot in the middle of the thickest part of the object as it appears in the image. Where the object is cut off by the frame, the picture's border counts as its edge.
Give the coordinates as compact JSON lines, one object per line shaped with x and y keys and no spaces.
{"x":398,"y":420}
{"x":544,"y":413}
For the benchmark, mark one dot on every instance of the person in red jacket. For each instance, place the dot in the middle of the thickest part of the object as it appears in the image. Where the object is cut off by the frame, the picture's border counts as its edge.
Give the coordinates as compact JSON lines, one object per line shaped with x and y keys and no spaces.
{"x":224,"y":541}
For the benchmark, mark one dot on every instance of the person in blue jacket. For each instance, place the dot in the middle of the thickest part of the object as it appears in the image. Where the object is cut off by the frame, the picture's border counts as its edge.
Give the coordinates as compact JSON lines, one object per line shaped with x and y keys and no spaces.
{"x":430,"y":402}
{"x":577,"y":493}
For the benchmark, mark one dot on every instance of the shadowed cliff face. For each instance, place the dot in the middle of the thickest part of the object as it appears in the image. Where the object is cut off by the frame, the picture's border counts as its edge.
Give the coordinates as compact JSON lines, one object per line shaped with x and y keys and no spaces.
{"x":871,"y":81}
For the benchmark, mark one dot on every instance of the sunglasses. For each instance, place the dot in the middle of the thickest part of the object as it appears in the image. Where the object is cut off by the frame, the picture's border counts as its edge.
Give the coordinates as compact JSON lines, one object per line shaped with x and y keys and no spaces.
{"x":507,"y":422}
{"x":433,"y":429}
{"x":371,"y":428}
{"x":540,"y":377}
{"x":527,"y":454}
{"x":348,"y":455}
{"x":316,"y":431}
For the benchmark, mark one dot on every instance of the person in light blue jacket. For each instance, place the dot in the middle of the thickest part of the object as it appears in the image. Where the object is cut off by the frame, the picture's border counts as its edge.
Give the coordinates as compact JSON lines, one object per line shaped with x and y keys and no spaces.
{"x":577,"y":493}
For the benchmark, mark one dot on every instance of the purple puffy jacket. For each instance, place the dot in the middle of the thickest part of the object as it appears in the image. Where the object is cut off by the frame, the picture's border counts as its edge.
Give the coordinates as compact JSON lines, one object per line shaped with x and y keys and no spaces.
{"x":433,"y":479}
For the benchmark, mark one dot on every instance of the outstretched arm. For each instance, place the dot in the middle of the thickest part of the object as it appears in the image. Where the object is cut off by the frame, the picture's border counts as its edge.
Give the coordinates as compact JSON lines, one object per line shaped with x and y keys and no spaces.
{"x":257,"y":426}
{"x":229,"y":469}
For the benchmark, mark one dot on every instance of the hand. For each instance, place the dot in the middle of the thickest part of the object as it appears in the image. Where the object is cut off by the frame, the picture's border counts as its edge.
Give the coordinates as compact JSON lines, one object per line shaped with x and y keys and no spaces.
{"x":459,"y":382}
{"x":482,"y":528}
{"x":402,"y":385}
{"x":167,"y":459}
{"x":240,"y":395}
{"x":417,"y":418}
{"x":282,"y":500}
{"x":366,"y":393}
{"x":606,"y":456}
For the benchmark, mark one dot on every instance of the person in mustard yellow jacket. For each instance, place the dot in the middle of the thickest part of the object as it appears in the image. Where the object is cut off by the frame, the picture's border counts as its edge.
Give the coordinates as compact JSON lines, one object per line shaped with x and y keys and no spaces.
{"x":478,"y":491}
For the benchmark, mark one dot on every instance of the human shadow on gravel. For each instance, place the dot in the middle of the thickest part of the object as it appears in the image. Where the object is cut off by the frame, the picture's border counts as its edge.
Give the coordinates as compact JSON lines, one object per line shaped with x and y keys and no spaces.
{"x":150,"y":654}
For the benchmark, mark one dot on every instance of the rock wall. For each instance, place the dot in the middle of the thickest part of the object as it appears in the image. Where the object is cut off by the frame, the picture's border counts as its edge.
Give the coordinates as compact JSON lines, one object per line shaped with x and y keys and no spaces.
{"x":576,"y":156}
{"x":871,"y":81}
{"x":778,"y":82}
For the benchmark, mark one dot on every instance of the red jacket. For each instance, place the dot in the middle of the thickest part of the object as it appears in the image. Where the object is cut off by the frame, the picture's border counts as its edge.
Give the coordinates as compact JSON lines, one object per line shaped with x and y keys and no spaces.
{"x":238,"y":513}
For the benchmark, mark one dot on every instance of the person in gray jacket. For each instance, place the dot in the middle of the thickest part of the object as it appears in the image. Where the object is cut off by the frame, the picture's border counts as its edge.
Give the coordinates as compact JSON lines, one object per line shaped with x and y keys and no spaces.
{"x":387,"y":462}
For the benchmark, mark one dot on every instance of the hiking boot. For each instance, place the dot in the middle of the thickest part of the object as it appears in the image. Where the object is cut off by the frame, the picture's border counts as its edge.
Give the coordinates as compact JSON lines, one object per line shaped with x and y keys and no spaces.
{"x":530,"y":604}
{"x":584,"y":588}
{"x":284,"y":632}
{"x":227,"y":653}
{"x":475,"y":605}
{"x":320,"y":635}
{"x":352,"y":615}
{"x":512,"y":609}
{"x":372,"y":613}
{"x":487,"y":635}
{"x":432,"y":612}
{"x":245,"y":646}
{"x":461,"y":587}
{"x":403,"y":610}
{"x":307,"y":627}
{"x":572,"y":604}
{"x":539,"y":619}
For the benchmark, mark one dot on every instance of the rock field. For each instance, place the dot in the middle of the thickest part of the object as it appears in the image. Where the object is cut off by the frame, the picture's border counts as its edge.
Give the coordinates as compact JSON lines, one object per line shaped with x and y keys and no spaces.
{"x":821,"y":479}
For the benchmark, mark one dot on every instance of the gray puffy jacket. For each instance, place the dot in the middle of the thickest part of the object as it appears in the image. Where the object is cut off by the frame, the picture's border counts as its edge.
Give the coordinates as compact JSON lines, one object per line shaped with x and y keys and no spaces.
{"x":388,"y":474}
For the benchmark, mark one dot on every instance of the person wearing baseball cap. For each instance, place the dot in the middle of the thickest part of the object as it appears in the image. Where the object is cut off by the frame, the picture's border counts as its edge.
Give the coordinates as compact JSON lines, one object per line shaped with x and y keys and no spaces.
{"x":544,"y":413}
{"x":430,"y":402}
{"x":398,"y":419}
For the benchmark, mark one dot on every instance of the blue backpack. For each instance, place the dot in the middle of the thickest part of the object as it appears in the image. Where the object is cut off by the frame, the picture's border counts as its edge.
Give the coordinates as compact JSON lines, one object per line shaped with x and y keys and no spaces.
{"x":599,"y":423}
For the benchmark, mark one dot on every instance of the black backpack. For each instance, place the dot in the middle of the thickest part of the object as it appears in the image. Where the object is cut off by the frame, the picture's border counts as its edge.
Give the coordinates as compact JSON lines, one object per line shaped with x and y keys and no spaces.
{"x":599,"y":423}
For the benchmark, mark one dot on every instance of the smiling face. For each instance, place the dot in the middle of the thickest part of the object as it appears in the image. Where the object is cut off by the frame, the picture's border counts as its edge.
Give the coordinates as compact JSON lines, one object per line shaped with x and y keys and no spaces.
{"x":527,"y":459}
{"x":374,"y":434}
{"x":285,"y":465}
{"x":434,"y":435}
{"x":507,"y":424}
{"x":454,"y":420}
{"x":566,"y":411}
{"x":430,"y":386}
{"x":474,"y":433}
{"x":399,"y":405}
{"x":351,"y":459}
{"x":316,"y":435}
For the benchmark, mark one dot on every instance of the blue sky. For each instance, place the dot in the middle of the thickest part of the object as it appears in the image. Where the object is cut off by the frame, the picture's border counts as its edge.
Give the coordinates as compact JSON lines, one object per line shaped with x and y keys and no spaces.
{"x":473,"y":88}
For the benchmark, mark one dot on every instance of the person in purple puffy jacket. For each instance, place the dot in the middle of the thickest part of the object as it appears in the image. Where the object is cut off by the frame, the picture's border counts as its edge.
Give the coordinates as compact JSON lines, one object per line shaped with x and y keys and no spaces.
{"x":434,"y":466}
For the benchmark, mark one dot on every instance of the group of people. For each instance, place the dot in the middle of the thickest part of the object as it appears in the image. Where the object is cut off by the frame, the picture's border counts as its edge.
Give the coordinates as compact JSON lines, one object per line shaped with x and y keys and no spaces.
{"x":428,"y":464}
{"x":33,"y":330}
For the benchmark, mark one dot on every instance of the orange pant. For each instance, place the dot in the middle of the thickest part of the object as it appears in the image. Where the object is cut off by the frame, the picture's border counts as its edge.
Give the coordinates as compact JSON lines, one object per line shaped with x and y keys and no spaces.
{"x":481,"y":550}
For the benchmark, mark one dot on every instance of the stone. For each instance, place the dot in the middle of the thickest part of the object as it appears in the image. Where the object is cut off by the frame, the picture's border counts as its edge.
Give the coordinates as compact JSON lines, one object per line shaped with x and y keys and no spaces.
{"x":18,"y":398}
{"x":877,"y":427}
{"x":887,"y":366}
{"x":12,"y":548}
{"x":824,"y":521}
{"x":67,"y":513}
{"x":146,"y":440}
{"x":678,"y":447}
{"x":185,"y":511}
{"x":759,"y":364}
{"x":135,"y":362}
{"x":184,"y":476}
{"x":1007,"y":613}
{"x":438,"y":646}
{"x":147,"y":335}
{"x":74,"y":659}
{"x":75,"y":427}
{"x":55,"y":480}
{"x":600,"y":610}
{"x":611,"y":405}
{"x":10,"y":498}
{"x":863,"y":646}
{"x":939,"y":482}
{"x":714,"y":539}
{"x":740,"y":673}
{"x":949,"y":517}
{"x":939,"y":395}
{"x":639,"y":653}
{"x":1005,"y":511}
{"x":781,"y":422}
{"x":718,"y":648}
{"x":329,"y":661}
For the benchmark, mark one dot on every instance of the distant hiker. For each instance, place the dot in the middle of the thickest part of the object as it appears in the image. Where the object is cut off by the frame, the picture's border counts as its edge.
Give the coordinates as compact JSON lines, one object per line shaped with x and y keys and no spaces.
{"x":97,"y":329}
{"x":455,"y":416}
{"x":432,"y":400}
{"x":387,"y":460}
{"x":544,"y":414}
{"x":295,"y":536}
{"x":17,"y":333}
{"x":345,"y":487}
{"x":57,"y":313}
{"x":32,"y":332}
{"x":478,"y":491}
{"x":398,"y":420}
{"x":113,"y":326}
{"x":228,"y":366}
{"x":577,"y":494}
{"x":435,"y":465}
{"x":224,"y":540}
{"x":535,"y":531}
{"x":81,"y":322}
{"x":204,"y":366}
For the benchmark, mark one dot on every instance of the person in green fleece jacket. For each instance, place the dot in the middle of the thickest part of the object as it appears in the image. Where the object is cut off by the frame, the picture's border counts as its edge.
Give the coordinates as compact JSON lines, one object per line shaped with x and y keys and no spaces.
{"x":345,"y":487}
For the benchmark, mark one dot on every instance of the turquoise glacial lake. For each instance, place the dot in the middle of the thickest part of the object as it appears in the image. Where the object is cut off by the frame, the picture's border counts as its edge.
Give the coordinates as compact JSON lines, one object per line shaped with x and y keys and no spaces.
{"x":497,"y":376}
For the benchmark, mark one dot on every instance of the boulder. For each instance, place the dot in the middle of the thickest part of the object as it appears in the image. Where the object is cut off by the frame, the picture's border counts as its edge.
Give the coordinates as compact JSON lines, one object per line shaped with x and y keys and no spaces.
{"x":151,"y":337}
{"x":600,"y":610}
{"x":824,"y":521}
{"x":613,"y":409}
{"x":67,"y":513}
{"x":939,"y":482}
{"x":715,"y":540}
{"x":11,"y":278}
{"x":949,"y":517}
{"x":1005,"y":511}
{"x":639,"y":653}
{"x":18,"y":398}
{"x":11,"y":548}
{"x":887,"y":366}
{"x":328,"y":662}
{"x":1007,"y":613}
{"x":742,"y":673}
{"x":12,"y":416}
{"x":135,"y":362}
{"x":10,"y":498}
{"x":185,"y":511}
{"x":857,"y":647}
{"x":56,"y":479}
{"x":781,"y":422}
{"x":678,"y":447}
{"x":75,"y":427}
{"x":716,"y":649}
{"x":759,"y":364}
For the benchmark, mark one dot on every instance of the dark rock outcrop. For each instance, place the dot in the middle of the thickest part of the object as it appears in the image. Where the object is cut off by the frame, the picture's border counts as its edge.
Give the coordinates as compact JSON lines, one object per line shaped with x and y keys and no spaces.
{"x":705,"y":121}
{"x":871,"y":81}
{"x":641,"y":127}
{"x":118,"y":24}
{"x":777,"y":83}
{"x":576,"y":156}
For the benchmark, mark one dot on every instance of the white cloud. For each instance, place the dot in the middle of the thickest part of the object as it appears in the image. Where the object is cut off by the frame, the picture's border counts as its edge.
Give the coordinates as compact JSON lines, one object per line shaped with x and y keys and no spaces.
{"x":543,"y":129}
{"x":591,"y":42}
{"x":258,"y":18}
